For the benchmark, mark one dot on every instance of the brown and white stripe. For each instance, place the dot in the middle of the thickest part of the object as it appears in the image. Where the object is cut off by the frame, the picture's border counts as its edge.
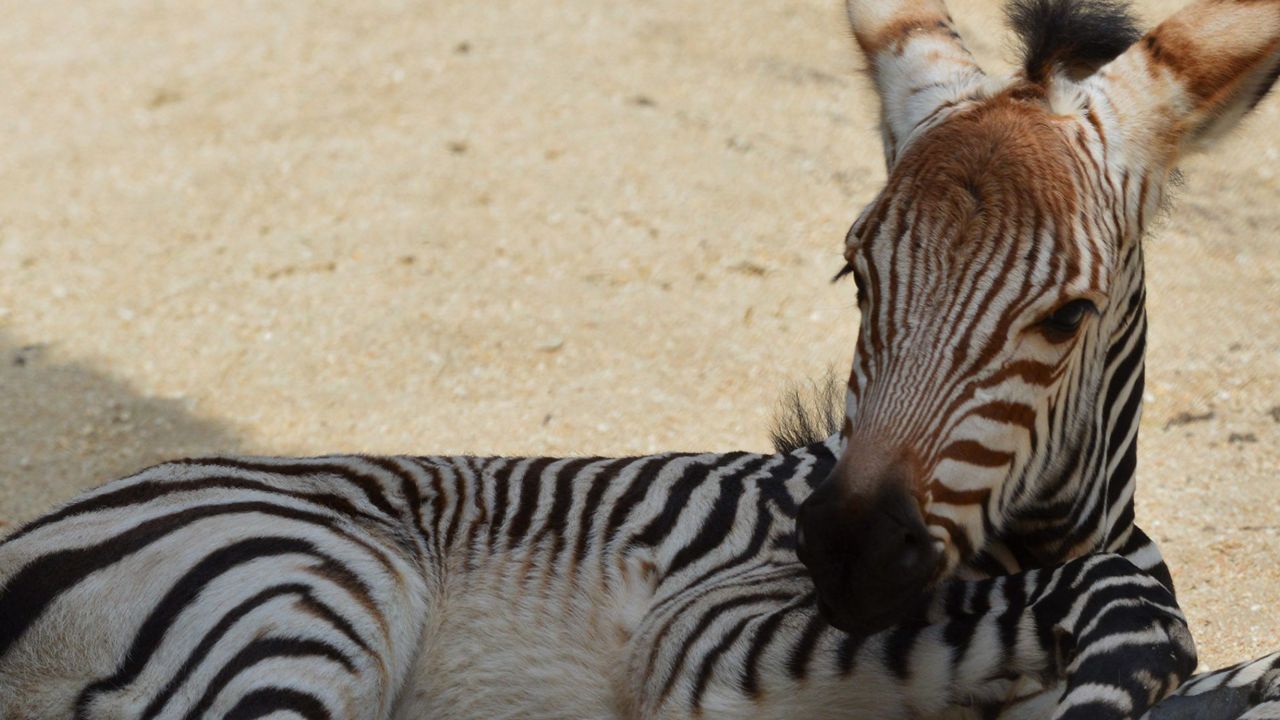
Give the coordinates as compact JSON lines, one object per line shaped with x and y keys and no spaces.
{"x":999,"y":364}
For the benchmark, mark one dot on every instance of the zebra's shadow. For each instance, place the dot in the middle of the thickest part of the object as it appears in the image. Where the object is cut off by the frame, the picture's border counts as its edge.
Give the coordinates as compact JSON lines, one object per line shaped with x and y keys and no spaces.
{"x":66,"y":426}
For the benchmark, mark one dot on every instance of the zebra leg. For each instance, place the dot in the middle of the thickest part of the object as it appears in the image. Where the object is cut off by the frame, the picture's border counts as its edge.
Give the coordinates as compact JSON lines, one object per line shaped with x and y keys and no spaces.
{"x":204,"y":605}
{"x":287,"y":645}
{"x":291,"y":644}
{"x":1121,"y":636}
{"x":1113,"y":638}
{"x":755,"y":647}
{"x":1248,"y":691}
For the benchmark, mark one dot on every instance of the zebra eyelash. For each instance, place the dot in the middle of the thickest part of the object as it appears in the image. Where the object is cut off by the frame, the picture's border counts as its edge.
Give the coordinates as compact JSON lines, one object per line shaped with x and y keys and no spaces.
{"x":847,"y":270}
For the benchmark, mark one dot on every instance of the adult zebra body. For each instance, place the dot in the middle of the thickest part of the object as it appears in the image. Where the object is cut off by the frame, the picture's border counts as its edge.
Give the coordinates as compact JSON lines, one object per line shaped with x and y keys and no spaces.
{"x":402,"y":587}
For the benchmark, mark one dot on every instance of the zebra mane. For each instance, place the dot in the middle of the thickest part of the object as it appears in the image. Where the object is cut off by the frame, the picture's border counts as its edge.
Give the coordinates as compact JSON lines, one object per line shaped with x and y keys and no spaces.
{"x":1072,"y":36}
{"x":808,"y":413}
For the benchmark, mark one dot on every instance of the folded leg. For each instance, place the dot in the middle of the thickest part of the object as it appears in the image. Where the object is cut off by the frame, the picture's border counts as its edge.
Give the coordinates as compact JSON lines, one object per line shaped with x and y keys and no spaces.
{"x":1248,"y":691}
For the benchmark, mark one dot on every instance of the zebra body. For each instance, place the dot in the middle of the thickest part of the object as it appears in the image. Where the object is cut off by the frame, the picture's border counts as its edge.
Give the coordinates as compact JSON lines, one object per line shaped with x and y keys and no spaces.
{"x":411,"y":587}
{"x":990,"y":430}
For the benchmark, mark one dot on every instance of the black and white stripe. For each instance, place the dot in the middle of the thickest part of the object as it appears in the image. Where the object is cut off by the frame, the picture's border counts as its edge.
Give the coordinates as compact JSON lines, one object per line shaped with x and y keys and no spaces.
{"x":242,"y":587}
{"x":668,"y":586}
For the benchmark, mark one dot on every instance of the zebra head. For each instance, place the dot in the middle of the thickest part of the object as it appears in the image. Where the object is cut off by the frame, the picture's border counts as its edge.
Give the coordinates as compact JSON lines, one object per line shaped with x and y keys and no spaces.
{"x":993,"y":403}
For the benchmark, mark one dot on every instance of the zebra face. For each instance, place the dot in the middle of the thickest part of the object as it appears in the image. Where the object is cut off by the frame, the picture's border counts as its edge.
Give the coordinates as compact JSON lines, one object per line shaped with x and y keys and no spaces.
{"x":982,"y":290}
{"x":997,"y":377}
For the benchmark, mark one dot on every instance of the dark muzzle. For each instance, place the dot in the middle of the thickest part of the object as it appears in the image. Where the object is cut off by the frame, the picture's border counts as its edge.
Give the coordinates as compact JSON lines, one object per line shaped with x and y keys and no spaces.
{"x":871,"y":559}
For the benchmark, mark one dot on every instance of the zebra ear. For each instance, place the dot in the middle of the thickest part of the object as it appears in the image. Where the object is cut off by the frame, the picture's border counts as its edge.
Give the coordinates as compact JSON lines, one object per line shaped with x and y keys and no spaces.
{"x":1193,"y":78}
{"x":917,"y":61}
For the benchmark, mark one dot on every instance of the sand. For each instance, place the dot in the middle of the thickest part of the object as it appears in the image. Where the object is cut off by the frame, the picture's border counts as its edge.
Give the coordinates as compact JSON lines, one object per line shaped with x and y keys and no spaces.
{"x":535,"y":226}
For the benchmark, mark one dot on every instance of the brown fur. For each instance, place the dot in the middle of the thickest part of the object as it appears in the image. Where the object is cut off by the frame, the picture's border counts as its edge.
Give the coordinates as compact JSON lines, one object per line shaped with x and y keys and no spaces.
{"x":894,"y":36}
{"x":1208,"y":79}
{"x":346,"y":580}
{"x":978,"y":165}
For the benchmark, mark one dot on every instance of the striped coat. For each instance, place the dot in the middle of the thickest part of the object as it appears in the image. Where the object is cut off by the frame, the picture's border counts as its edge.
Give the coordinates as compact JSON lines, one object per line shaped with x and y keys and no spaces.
{"x":419,"y":587}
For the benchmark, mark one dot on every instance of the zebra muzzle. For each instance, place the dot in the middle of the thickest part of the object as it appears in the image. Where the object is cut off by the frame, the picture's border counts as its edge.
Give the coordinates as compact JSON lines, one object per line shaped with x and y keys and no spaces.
{"x":872,"y":561}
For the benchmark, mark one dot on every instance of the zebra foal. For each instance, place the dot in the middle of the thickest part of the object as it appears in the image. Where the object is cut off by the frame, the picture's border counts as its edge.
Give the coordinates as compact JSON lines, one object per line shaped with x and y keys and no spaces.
{"x":356,"y":587}
{"x":971,"y":522}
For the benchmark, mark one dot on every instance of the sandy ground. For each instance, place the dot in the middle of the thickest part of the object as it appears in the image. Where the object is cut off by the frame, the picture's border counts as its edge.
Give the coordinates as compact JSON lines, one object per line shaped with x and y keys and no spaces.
{"x":532,"y":226}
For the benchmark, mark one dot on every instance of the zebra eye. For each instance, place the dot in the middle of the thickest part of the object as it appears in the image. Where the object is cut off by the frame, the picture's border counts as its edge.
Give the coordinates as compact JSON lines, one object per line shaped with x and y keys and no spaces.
{"x":847,"y":270}
{"x":1063,"y":323}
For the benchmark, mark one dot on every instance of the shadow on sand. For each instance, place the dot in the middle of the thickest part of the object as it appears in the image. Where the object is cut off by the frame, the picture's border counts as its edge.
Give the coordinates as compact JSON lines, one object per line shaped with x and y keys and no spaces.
{"x":65,"y":426}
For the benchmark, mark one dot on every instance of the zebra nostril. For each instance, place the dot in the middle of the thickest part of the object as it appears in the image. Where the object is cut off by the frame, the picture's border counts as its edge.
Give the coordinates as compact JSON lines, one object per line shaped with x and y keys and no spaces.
{"x":913,"y":552}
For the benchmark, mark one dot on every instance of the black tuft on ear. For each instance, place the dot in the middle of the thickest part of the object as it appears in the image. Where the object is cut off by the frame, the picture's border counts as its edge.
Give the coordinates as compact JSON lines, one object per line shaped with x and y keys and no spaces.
{"x":1073,"y":36}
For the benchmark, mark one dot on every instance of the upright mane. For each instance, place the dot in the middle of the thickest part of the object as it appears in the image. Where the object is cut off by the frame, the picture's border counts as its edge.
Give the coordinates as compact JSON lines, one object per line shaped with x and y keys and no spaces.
{"x":808,"y":414}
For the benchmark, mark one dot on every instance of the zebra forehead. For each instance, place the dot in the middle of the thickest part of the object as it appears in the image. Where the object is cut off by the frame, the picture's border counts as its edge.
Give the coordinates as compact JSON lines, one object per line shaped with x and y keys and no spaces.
{"x":994,"y":172}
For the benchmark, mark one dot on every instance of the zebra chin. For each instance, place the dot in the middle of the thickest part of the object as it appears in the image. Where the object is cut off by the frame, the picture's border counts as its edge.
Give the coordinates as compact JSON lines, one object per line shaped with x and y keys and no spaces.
{"x":862,"y":621}
{"x":873,"y":566}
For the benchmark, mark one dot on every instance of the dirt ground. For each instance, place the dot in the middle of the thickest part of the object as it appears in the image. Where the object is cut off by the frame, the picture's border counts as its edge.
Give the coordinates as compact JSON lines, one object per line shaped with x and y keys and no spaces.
{"x":535,"y":226}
